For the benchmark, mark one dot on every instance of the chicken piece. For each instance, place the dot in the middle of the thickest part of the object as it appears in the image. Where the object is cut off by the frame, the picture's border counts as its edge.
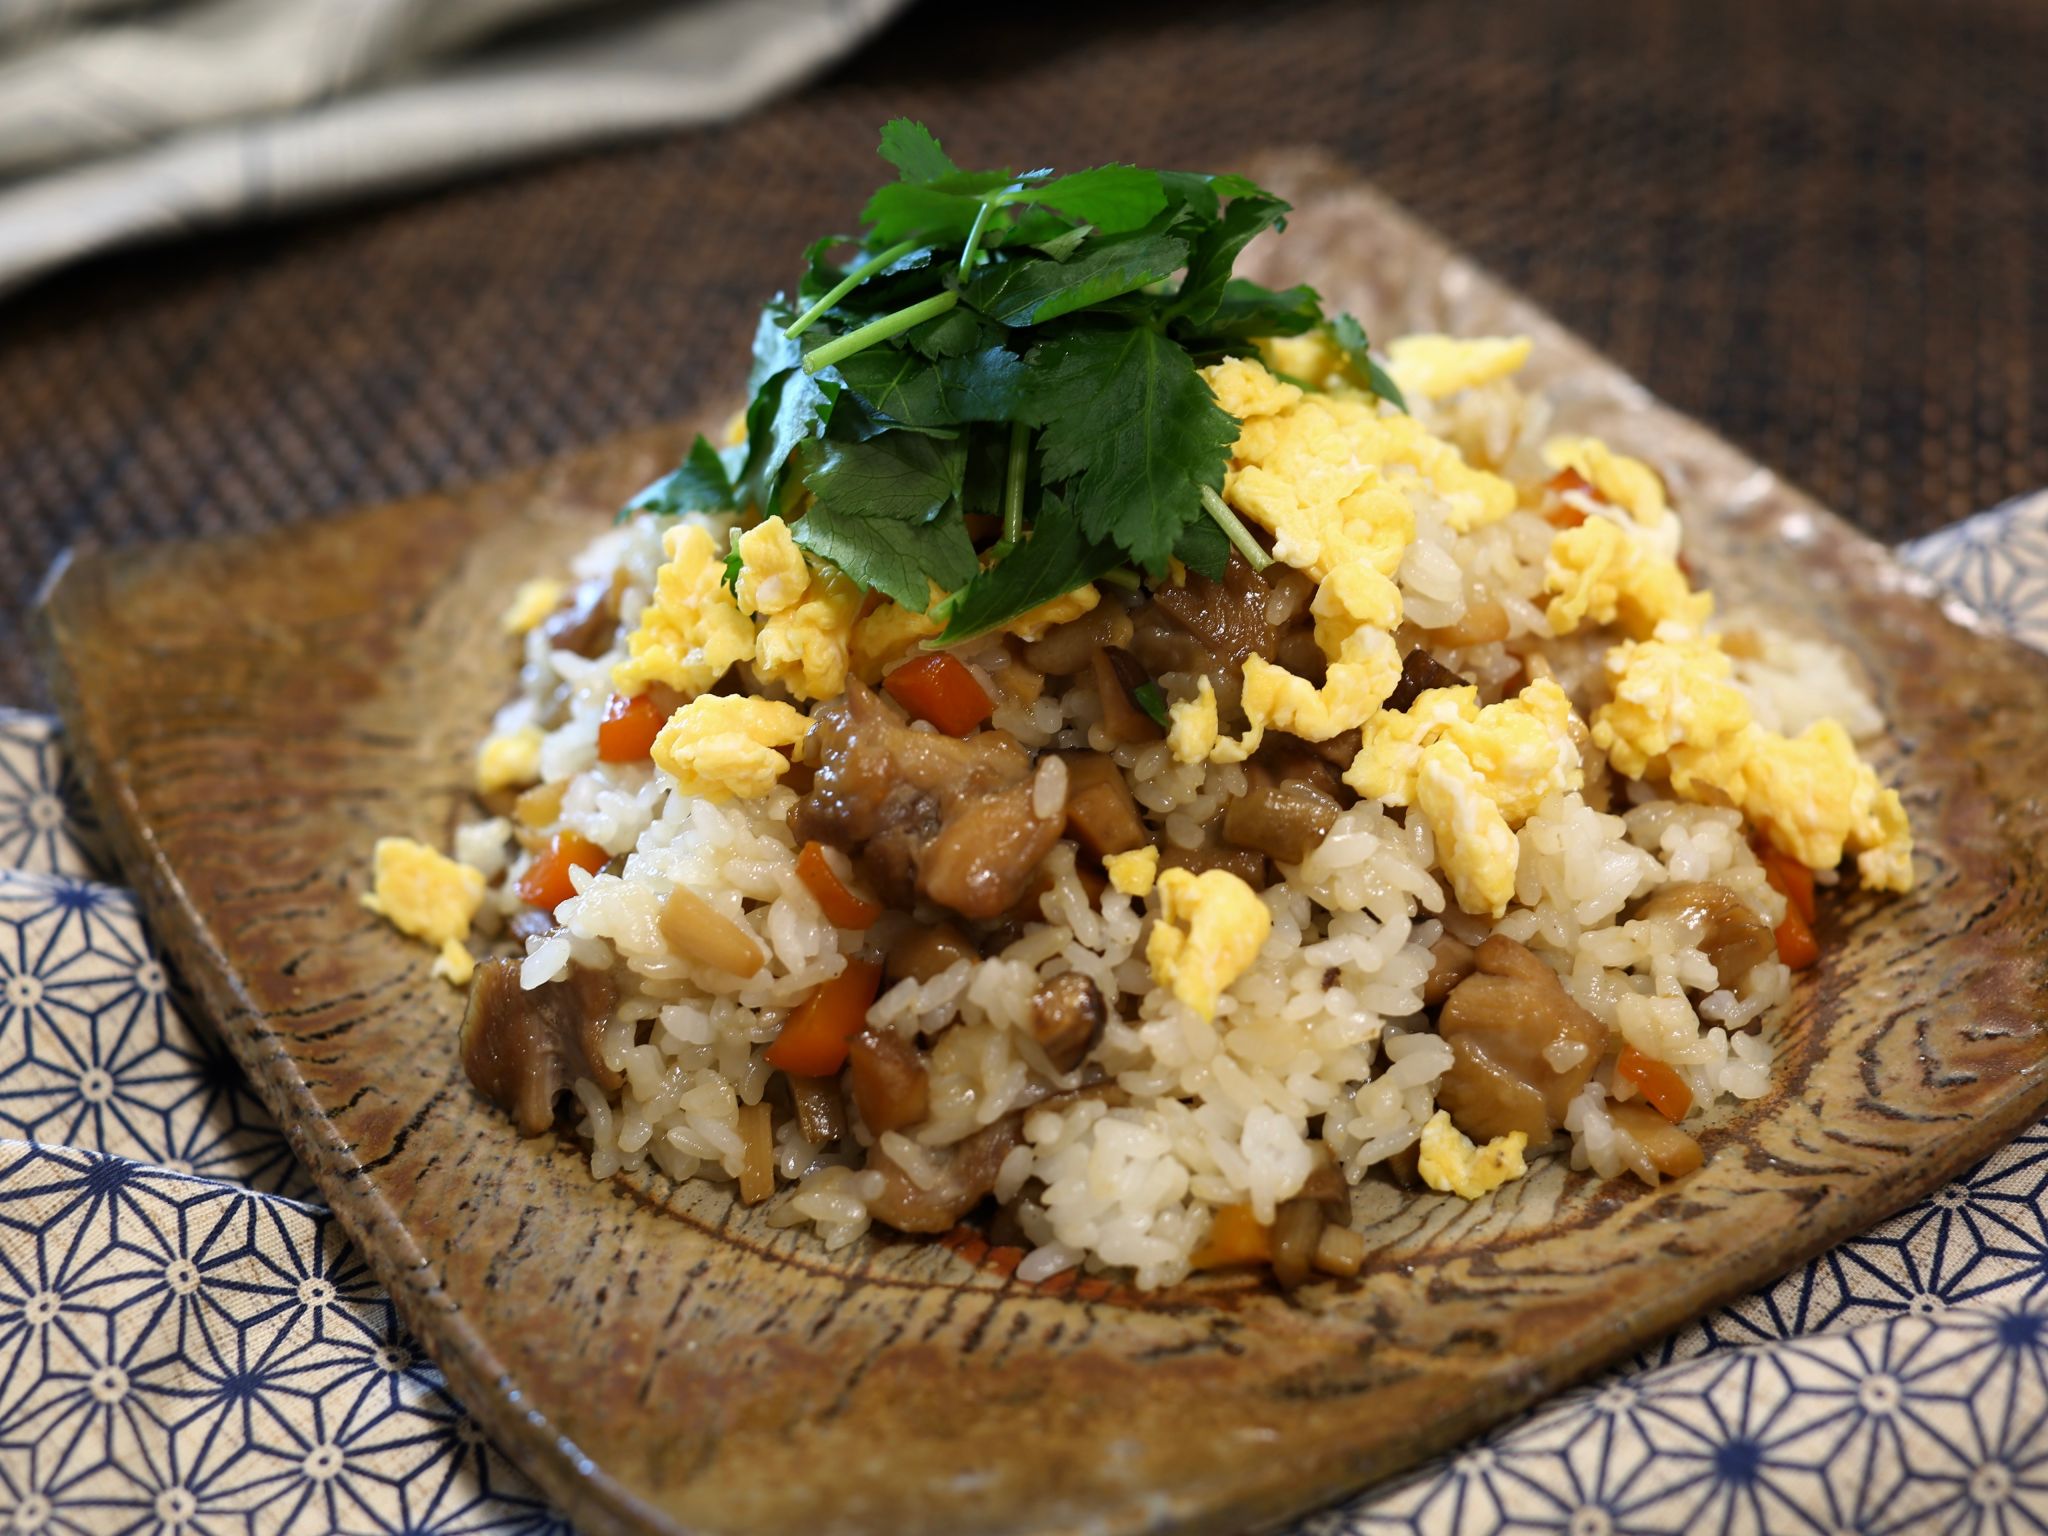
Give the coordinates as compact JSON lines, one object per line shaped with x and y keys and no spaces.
{"x":1522,"y":1047}
{"x":522,"y":1049}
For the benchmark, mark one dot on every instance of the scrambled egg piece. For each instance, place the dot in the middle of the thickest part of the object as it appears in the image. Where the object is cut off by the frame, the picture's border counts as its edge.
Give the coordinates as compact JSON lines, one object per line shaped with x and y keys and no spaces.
{"x":1209,"y":931}
{"x":1449,"y":1161}
{"x":1473,"y":775}
{"x":1133,"y":873}
{"x":1628,"y":483}
{"x":1312,"y":357}
{"x":725,"y":746}
{"x":428,"y":895}
{"x":1432,"y":366}
{"x":1245,"y":388}
{"x":1674,"y":711}
{"x":1192,"y":734}
{"x":508,"y":761}
{"x":534,"y":601}
{"x":773,"y":572}
{"x":1065,"y":608}
{"x":808,"y":647}
{"x":888,"y":633}
{"x":693,"y":629}
{"x":1601,"y":572}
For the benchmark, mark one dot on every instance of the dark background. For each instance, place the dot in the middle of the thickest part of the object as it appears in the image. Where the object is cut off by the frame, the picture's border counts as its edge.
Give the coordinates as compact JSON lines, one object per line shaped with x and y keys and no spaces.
{"x":1822,"y":225}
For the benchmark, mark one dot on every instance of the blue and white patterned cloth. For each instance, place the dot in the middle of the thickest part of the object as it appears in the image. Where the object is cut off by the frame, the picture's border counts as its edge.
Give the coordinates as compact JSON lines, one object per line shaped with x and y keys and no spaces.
{"x":187,"y":1342}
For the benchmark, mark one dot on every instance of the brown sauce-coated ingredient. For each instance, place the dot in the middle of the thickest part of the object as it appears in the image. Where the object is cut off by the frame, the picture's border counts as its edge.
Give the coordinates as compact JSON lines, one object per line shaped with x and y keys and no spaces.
{"x":1450,"y":962}
{"x":1420,"y":672}
{"x":1672,"y":1152}
{"x":1720,"y":924}
{"x":1499,"y":1022}
{"x":1284,"y":818}
{"x":1102,"y":814}
{"x":820,"y":1111}
{"x":589,"y":622}
{"x":1484,"y":621}
{"x":1068,"y":649}
{"x":1299,"y":1224}
{"x":1067,"y":1017}
{"x":757,"y":1153}
{"x":924,"y":951}
{"x":1229,"y":616}
{"x":923,"y":813}
{"x":1248,"y":864}
{"x":971,"y":1169}
{"x":522,"y":1049}
{"x":890,"y":1085}
{"x":1118,"y":677}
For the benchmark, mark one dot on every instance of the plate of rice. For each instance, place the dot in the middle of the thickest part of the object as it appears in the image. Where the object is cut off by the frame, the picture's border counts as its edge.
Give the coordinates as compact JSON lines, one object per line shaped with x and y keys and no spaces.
{"x":1163,"y":877}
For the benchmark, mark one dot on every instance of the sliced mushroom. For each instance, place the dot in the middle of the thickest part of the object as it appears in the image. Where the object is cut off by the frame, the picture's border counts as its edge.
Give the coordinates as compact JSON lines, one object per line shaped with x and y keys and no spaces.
{"x":820,"y":1111}
{"x":890,"y":1085}
{"x":1717,"y":922}
{"x":757,"y":1143}
{"x":1102,"y":814}
{"x":1067,"y":649}
{"x":588,"y":622}
{"x":522,"y":1049}
{"x":924,"y":951}
{"x":1284,"y":818}
{"x":1248,"y":864}
{"x":1420,"y":672}
{"x":1231,"y":616}
{"x":1671,"y":1151}
{"x":1067,"y":1017}
{"x":1506,"y":1024}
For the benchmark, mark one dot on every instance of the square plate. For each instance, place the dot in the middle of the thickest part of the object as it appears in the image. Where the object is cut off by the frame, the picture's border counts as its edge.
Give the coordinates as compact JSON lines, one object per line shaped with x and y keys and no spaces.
{"x":249,"y":715}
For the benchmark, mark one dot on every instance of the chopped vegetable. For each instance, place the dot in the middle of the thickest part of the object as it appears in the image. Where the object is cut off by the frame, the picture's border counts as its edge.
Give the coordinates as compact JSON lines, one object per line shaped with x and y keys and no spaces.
{"x":889,"y":1081}
{"x":813,"y":1042}
{"x":842,"y":908}
{"x":1797,"y":946}
{"x":1235,"y":1237}
{"x":627,"y":731}
{"x":1658,"y":1083}
{"x":939,"y":688}
{"x":757,"y":1147}
{"x":545,"y":882}
{"x":698,"y":931}
{"x":1153,"y":702}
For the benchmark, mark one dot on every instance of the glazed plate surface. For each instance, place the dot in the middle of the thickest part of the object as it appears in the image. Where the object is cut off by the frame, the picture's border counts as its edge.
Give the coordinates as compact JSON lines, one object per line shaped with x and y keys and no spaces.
{"x":251,"y":715}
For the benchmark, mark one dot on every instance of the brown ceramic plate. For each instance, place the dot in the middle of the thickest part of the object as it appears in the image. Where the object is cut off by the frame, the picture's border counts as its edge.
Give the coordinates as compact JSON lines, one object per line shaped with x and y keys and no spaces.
{"x":251,"y":714}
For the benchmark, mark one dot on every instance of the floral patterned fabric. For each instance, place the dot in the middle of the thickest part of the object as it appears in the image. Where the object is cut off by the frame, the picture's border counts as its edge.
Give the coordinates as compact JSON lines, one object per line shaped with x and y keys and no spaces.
{"x":187,"y":1342}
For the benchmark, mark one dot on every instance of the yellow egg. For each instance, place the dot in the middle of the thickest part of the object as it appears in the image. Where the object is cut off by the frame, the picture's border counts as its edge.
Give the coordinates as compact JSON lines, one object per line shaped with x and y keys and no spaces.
{"x":887,"y":634}
{"x":508,"y":761}
{"x":1063,"y":609}
{"x":1628,"y":483}
{"x":1474,"y":843}
{"x":1390,"y":748}
{"x":806,"y":647}
{"x":1601,"y":572}
{"x":692,"y":630}
{"x":773,"y":572}
{"x":1244,"y":388}
{"x":1133,"y":873}
{"x":1192,"y":735}
{"x":1521,"y":748}
{"x":1449,"y":1162}
{"x":1209,"y":930}
{"x":429,"y":896}
{"x":1666,"y":693}
{"x":726,"y":746}
{"x":534,"y":601}
{"x":1432,"y":366}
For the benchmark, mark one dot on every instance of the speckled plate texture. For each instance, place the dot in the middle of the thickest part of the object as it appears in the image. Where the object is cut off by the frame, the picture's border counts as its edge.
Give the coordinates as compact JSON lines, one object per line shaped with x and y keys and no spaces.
{"x":251,"y":715}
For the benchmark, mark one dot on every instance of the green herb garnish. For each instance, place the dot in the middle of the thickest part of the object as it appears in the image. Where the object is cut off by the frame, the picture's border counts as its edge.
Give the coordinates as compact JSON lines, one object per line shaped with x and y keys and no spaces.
{"x":1020,"y":349}
{"x":1152,"y":701}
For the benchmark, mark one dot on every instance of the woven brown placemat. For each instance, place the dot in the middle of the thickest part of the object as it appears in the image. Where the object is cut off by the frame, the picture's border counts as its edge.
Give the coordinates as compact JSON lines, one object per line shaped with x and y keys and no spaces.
{"x":1818,"y":224}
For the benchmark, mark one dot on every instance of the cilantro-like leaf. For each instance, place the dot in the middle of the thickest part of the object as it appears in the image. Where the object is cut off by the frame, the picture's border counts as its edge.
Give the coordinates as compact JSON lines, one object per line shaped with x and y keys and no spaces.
{"x":916,"y":392}
{"x":953,"y":334}
{"x":1030,"y":291}
{"x":1248,"y":310}
{"x":735,"y":562}
{"x":1203,"y":548}
{"x":1350,"y":338}
{"x":1114,"y":198}
{"x":1054,"y":559}
{"x":910,"y":147}
{"x":1214,"y":251}
{"x":1148,"y":698}
{"x":704,"y":483}
{"x":886,"y":513}
{"x":1203,"y":194}
{"x":791,"y":407}
{"x":1133,"y":429}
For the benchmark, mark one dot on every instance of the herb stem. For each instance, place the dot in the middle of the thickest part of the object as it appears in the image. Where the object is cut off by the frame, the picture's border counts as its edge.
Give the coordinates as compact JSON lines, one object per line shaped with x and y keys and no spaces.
{"x":974,"y":233}
{"x":848,"y":283}
{"x":839,"y":348}
{"x":1233,"y":530}
{"x":1013,"y":485}
{"x":1122,"y":576}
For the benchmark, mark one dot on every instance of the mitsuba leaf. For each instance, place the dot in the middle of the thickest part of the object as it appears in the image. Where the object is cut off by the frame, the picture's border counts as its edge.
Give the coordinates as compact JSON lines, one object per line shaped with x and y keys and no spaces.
{"x":885,"y":512}
{"x":705,"y":482}
{"x":1054,"y":559}
{"x":953,"y":334}
{"x":1247,"y":310}
{"x":788,"y":410}
{"x":1365,"y":368}
{"x":1203,"y":548}
{"x":1114,"y":198}
{"x":913,"y":391}
{"x":1204,"y":194}
{"x":1132,"y":429}
{"x":909,"y":146}
{"x":1216,"y":249}
{"x":1031,"y":291}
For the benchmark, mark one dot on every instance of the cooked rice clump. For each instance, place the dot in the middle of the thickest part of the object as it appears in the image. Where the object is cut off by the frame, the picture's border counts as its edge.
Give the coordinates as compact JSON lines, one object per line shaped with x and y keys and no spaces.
{"x":1613,"y":741}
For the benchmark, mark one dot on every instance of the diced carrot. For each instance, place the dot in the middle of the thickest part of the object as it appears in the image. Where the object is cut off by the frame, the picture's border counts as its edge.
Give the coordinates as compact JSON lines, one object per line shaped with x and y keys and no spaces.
{"x":1790,"y":879}
{"x":843,"y":909}
{"x":1669,"y":1093}
{"x":1235,"y":1237}
{"x":1563,"y":514}
{"x":545,"y":882}
{"x":814,"y":1038}
{"x":1797,"y":946}
{"x":938,"y":687}
{"x":627,"y":731}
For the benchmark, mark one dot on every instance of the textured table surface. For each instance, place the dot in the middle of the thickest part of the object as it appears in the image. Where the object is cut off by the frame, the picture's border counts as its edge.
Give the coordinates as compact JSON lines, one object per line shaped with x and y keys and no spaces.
{"x":1815,"y":224}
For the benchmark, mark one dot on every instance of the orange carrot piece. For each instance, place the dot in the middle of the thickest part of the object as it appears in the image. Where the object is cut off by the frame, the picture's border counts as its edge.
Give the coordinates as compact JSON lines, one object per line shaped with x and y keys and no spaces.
{"x":627,"y":731}
{"x":1797,"y":946}
{"x":1235,"y":1237}
{"x":938,"y":687}
{"x":843,"y":909}
{"x":1667,"y":1092}
{"x":545,"y":882}
{"x":1790,"y":879}
{"x":814,"y":1038}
